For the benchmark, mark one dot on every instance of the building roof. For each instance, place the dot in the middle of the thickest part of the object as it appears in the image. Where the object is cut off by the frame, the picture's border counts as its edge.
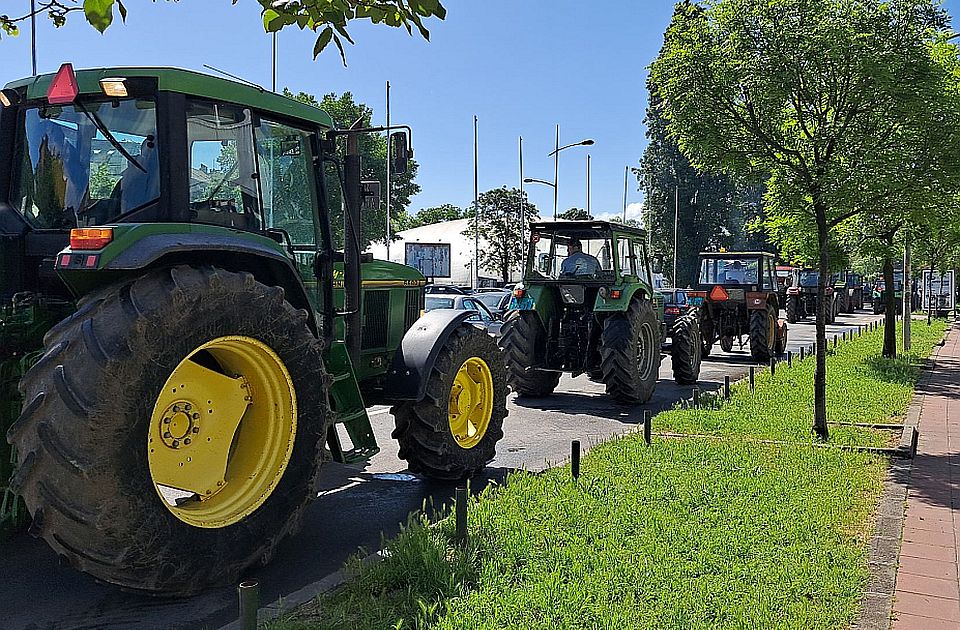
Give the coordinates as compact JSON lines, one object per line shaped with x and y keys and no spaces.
{"x":587,"y":225}
{"x":191,"y":83}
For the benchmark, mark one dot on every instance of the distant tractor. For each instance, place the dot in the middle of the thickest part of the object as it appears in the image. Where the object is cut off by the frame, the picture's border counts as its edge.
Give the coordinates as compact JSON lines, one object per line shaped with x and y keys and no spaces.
{"x":738,"y":298}
{"x":587,"y":306}
{"x":802,"y":297}
{"x":879,"y":298}
{"x":848,"y":291}
{"x":189,"y":343}
{"x":783,"y":280}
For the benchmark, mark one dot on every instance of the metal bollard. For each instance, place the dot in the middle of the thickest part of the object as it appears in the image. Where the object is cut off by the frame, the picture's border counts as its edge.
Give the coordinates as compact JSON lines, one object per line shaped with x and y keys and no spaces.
{"x":696,"y":396}
{"x":753,"y":381}
{"x":249,"y":592}
{"x":773,"y":367}
{"x":789,"y":359}
{"x":802,"y":349}
{"x":726,"y":387}
{"x":647,"y":429}
{"x":461,"y":515}
{"x":834,"y":341}
{"x":575,"y":459}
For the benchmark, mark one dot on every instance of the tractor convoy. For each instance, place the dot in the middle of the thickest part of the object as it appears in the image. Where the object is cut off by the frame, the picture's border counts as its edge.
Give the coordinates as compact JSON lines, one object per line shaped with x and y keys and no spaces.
{"x":185,"y":341}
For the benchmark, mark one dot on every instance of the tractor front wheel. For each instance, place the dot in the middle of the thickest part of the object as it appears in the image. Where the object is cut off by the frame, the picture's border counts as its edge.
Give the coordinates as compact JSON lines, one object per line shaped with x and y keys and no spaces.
{"x":169,"y":437}
{"x":630,"y":353}
{"x":520,"y":337}
{"x":685,"y":350}
{"x":453,"y":432}
{"x":763,"y":334}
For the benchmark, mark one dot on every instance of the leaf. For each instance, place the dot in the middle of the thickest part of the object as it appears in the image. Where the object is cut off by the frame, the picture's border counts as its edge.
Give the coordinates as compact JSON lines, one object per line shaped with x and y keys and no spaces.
{"x":99,"y":13}
{"x":271,"y":21}
{"x":322,"y":40}
{"x":343,"y":55}
{"x":123,"y":11}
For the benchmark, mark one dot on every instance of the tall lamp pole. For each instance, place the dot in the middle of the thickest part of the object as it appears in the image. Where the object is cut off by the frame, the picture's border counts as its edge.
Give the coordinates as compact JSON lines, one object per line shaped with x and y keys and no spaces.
{"x":626,"y":172}
{"x":389,"y":171}
{"x":555,"y":154}
{"x":520,"y":213}
{"x":33,"y":34}
{"x":588,"y":184}
{"x":476,"y":205}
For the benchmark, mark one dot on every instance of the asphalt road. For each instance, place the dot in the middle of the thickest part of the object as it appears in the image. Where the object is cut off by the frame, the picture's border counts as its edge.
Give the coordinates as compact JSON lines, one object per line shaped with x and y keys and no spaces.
{"x":357,"y":507}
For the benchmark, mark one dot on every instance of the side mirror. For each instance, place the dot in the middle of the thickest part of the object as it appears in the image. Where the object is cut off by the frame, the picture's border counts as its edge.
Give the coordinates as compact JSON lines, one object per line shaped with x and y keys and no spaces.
{"x":400,"y":152}
{"x":370,"y":195}
{"x":543,"y":263}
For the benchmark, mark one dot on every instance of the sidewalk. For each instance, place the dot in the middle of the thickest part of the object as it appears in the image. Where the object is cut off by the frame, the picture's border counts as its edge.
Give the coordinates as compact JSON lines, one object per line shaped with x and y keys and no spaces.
{"x":927,"y":595}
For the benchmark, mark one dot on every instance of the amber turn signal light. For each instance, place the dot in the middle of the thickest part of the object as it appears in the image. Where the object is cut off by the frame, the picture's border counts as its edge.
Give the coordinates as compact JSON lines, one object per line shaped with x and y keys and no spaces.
{"x":90,"y":238}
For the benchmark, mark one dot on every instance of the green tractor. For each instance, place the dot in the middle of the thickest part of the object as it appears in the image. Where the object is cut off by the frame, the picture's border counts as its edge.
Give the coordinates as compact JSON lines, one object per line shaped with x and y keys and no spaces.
{"x":587,"y":306}
{"x":187,"y":343}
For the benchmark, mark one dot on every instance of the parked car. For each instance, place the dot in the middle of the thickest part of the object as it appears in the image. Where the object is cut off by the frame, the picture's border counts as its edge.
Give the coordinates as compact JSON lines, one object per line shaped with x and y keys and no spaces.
{"x":497,"y":301}
{"x":443,"y":289}
{"x":483,"y":316}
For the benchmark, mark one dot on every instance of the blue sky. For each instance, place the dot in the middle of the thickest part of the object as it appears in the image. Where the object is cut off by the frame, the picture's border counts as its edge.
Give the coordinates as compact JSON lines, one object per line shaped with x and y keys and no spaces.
{"x":521,"y":66}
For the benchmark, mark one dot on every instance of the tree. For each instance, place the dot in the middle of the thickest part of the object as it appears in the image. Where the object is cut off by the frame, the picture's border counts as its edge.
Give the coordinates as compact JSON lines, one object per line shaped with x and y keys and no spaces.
{"x":327,"y":18}
{"x":575,"y":214}
{"x":713,"y":210}
{"x":373,"y":151}
{"x":503,"y":213}
{"x":828,"y":99}
{"x":429,"y":216}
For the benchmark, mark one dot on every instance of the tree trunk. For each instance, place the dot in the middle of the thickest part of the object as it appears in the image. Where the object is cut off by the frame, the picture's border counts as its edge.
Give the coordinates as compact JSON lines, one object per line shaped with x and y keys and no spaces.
{"x":889,"y":311}
{"x":820,"y":374}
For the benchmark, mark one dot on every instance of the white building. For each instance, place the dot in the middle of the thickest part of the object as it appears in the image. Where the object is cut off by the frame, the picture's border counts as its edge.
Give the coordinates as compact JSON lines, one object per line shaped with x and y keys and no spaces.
{"x":439,"y":248}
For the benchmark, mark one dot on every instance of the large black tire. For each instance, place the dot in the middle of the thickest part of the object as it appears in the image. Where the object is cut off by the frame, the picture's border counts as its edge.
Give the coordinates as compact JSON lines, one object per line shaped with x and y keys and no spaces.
{"x":423,"y":428}
{"x":763,"y":334}
{"x":630,"y":353}
{"x":793,"y":308}
{"x":685,"y":350}
{"x":520,"y":337}
{"x":83,"y":432}
{"x":706,"y":335}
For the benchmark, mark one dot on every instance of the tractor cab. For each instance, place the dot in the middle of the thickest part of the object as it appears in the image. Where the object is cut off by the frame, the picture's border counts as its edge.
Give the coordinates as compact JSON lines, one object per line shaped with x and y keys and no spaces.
{"x":737,"y":295}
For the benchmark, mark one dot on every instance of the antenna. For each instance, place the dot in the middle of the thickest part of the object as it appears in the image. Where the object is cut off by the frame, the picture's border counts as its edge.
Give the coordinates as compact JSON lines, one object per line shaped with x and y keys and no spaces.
{"x":234,"y":77}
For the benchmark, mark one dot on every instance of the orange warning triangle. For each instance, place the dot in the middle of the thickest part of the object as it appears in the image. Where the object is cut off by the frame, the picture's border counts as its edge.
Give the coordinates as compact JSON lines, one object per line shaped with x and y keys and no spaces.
{"x":719,"y":294}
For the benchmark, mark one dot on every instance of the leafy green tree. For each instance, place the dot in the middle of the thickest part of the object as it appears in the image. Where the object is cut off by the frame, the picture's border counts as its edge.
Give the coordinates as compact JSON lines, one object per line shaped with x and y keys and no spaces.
{"x":575,"y":214}
{"x":831,"y":100}
{"x":429,"y":216}
{"x":373,"y":151}
{"x":503,"y":214}
{"x":328,"y":18}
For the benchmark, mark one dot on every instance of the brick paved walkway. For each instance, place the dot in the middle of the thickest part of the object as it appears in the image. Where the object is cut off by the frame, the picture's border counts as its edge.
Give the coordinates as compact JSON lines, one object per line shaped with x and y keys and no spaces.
{"x":927,"y":594}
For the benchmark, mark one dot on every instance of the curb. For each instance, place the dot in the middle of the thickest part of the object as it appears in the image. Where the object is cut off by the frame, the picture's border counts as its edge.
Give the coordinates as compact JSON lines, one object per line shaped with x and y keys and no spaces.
{"x":884,"y":555}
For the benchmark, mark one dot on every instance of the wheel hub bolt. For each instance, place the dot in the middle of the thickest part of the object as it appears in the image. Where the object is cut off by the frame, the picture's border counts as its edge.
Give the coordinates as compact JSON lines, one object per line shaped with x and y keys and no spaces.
{"x":186,"y":440}
{"x":176,"y":444}
{"x":176,"y":409}
{"x":187,"y":407}
{"x":166,"y":420}
{"x":167,"y":435}
{"x":196,"y":429}
{"x":196,"y":416}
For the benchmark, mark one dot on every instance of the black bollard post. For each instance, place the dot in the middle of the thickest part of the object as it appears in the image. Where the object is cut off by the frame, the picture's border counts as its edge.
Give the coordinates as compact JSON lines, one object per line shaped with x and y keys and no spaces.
{"x":789,"y":359}
{"x":575,"y":459}
{"x":726,"y":387}
{"x":753,"y":381}
{"x":461,"y":515}
{"x":834,"y":341}
{"x":696,"y":396}
{"x":773,"y":367}
{"x":802,"y":349}
{"x":647,"y":429}
{"x":249,"y":592}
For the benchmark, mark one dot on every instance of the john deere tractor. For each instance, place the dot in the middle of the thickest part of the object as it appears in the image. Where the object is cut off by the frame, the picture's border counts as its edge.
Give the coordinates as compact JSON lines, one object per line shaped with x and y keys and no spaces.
{"x":738,"y":298}
{"x":187,"y":343}
{"x":587,"y":305}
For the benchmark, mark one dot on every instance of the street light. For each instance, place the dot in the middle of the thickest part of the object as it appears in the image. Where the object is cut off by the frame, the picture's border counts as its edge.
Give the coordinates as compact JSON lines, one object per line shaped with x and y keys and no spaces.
{"x":531,"y":180}
{"x":556,"y":163}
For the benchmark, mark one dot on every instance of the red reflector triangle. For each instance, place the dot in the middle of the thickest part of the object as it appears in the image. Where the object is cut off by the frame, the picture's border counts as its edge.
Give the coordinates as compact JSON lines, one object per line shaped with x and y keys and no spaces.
{"x":718,"y":294}
{"x":64,"y":89}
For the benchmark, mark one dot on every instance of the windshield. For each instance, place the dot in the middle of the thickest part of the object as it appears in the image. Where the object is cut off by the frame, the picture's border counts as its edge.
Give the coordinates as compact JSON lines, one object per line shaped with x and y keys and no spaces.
{"x":492,"y":300}
{"x":809,"y":278}
{"x":729,"y":271}
{"x":585,"y":255}
{"x":88,"y":163}
{"x":430,"y":302}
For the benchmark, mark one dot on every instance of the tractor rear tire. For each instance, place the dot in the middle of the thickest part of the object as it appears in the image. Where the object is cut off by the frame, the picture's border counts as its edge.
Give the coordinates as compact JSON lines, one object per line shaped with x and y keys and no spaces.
{"x":425,"y":429}
{"x":685,"y":350}
{"x":520,"y":336}
{"x":763,"y":334}
{"x":630,"y":353}
{"x":88,"y":419}
{"x":706,"y":336}
{"x":793,"y":309}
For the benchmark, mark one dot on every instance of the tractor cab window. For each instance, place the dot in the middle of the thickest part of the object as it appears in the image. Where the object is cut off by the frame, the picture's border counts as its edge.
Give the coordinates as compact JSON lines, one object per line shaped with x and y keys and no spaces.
{"x":88,"y":163}
{"x":585,"y":255}
{"x":287,"y":182}
{"x":729,"y":271}
{"x":628,"y":257}
{"x":808,"y":278}
{"x":223,"y":185}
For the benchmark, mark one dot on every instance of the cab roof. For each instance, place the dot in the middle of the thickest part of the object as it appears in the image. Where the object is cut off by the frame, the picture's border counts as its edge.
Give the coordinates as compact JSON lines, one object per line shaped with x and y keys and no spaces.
{"x":187,"y":82}
{"x":735,"y":254}
{"x":587,"y":226}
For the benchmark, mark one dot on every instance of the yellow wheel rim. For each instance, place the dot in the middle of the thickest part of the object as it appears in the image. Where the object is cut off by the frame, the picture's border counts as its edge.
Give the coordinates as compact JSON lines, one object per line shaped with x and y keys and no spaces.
{"x":222,"y":431}
{"x":471,"y":402}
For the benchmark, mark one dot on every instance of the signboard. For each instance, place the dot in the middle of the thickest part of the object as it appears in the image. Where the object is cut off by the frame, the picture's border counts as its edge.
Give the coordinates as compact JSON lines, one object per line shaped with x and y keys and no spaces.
{"x":937,"y":291}
{"x":430,"y":259}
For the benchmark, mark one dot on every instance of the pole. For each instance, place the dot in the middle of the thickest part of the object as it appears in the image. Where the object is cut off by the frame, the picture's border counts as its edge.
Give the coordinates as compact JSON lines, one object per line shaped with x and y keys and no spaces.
{"x":626,"y":175}
{"x":274,"y":83}
{"x":588,"y":183}
{"x":907,"y":296}
{"x":33,"y":34}
{"x":676,"y":230}
{"x":520,"y":215}
{"x":476,"y":204}
{"x":389,"y":173}
{"x":556,"y":172}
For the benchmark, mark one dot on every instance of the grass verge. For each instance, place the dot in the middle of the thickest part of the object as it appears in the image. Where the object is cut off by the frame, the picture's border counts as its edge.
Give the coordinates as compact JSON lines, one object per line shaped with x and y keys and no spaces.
{"x":688,"y":533}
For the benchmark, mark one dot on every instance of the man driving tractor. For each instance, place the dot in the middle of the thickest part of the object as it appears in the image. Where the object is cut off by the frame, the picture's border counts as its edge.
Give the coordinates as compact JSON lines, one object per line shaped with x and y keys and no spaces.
{"x":578,"y":263}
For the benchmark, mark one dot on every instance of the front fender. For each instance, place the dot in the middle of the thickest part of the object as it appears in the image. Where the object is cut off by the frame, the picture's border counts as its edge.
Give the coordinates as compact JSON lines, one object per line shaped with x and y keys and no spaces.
{"x":418,"y":352}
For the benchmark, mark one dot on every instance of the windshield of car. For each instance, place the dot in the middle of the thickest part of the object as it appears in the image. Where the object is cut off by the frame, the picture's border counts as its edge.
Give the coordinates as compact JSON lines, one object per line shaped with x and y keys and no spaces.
{"x":431,"y":302}
{"x":675,"y":297}
{"x":491,"y":299}
{"x":729,"y":271}
{"x":809,"y":278}
{"x":581,"y":255}
{"x":87,"y":163}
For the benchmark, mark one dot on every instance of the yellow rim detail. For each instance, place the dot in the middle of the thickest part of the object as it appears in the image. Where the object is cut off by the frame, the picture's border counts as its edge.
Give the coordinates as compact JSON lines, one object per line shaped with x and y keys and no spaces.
{"x":471,"y":402}
{"x":222,"y":432}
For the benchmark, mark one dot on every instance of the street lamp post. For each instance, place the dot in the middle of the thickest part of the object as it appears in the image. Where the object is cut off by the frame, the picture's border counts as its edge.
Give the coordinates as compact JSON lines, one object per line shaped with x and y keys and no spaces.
{"x":555,"y":154}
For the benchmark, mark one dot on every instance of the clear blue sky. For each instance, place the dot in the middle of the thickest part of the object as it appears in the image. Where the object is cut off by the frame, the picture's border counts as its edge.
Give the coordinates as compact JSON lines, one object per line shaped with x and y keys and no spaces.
{"x":521,"y":66}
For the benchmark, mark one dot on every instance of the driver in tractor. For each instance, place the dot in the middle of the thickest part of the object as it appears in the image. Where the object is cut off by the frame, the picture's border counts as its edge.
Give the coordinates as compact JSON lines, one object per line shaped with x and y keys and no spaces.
{"x":578,"y":263}
{"x":735,"y":273}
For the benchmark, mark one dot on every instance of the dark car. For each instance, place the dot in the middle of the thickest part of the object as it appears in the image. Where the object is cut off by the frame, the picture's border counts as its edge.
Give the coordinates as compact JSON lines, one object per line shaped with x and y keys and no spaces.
{"x":483,"y":316}
{"x":496,"y":301}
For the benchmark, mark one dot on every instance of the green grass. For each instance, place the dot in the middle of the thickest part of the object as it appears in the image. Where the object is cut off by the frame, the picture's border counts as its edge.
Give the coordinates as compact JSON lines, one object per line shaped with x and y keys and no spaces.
{"x":690,"y":533}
